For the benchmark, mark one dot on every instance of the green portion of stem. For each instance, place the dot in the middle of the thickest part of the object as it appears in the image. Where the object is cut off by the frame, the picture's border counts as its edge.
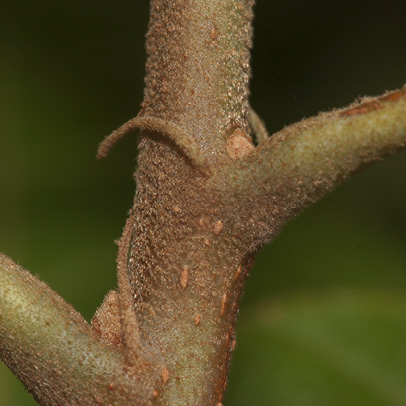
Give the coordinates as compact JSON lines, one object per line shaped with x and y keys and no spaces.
{"x":297,"y":166}
{"x":319,"y":153}
{"x":52,"y":349}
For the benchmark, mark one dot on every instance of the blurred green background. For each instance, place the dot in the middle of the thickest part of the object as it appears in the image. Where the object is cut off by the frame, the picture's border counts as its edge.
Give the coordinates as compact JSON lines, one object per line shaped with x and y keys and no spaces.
{"x":323,"y":319}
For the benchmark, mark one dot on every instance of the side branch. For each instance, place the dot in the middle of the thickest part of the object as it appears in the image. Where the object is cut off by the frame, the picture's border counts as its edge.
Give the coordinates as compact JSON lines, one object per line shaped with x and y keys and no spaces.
{"x":52,"y":349}
{"x":300,"y":164}
{"x":317,"y":154}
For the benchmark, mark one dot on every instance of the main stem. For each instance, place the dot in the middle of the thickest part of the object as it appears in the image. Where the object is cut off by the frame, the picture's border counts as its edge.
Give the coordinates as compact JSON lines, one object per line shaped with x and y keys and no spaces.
{"x":182,"y":246}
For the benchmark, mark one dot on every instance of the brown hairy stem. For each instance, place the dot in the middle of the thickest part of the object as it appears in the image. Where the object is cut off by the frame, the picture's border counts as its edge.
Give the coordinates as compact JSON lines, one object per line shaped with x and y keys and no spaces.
{"x":197,"y":79}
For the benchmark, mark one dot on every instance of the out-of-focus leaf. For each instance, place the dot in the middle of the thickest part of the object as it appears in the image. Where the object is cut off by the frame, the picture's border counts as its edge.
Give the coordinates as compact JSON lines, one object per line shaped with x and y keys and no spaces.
{"x":343,"y":348}
{"x":12,"y":392}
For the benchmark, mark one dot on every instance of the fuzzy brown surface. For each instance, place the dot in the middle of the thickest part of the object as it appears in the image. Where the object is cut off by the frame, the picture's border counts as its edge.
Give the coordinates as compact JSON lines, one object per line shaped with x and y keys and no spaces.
{"x":197,"y":71}
{"x":182,"y":221}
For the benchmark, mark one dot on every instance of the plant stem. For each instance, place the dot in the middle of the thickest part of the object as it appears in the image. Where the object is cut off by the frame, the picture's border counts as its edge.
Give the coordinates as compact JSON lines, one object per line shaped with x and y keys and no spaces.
{"x":52,"y":349}
{"x":180,"y":245}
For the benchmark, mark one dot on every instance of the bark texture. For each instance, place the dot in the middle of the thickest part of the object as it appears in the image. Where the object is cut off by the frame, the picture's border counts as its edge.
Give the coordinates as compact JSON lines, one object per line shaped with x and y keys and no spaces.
{"x":185,"y":252}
